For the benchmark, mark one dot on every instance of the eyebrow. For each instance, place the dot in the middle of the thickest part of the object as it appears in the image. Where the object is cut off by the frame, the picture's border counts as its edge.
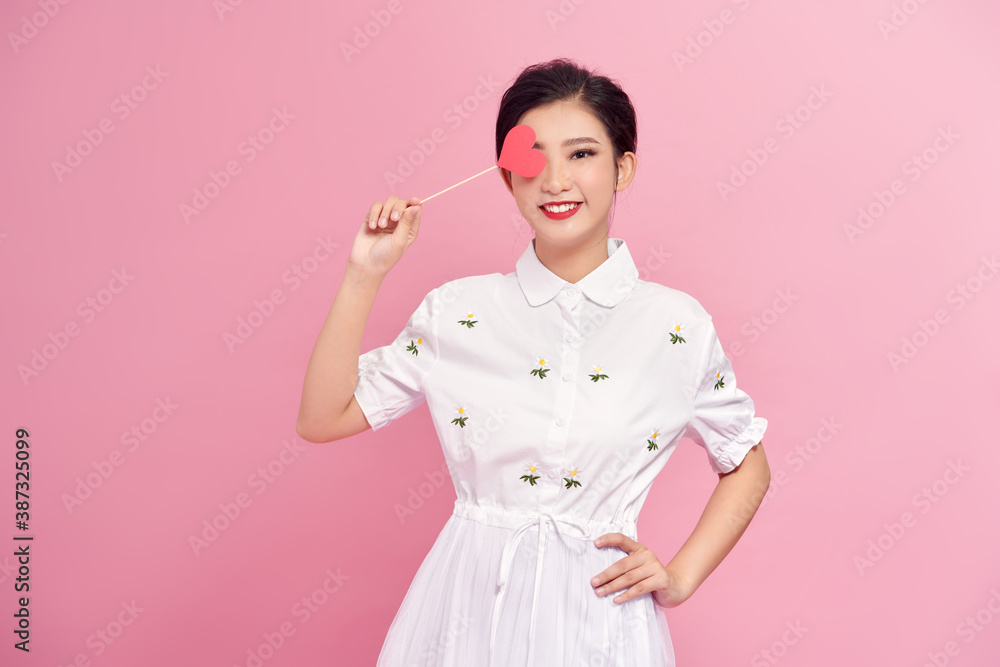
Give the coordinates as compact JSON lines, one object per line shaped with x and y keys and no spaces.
{"x":572,"y":142}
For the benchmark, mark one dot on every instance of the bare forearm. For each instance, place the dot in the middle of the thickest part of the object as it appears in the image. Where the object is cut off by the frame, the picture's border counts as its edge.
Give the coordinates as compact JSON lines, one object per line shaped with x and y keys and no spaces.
{"x":331,"y":376}
{"x":727,"y":514}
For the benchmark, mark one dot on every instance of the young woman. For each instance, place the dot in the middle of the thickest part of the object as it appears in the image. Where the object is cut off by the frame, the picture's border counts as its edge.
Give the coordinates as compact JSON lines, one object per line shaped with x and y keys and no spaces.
{"x":558,"y":391}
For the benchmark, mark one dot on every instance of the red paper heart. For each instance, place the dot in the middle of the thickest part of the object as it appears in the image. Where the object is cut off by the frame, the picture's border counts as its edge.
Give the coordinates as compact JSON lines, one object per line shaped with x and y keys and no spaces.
{"x":518,"y":155}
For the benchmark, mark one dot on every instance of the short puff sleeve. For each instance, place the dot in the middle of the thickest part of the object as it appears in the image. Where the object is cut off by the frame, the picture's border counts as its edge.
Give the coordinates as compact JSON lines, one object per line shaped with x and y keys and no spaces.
{"x":391,"y":378}
{"x":723,"y":420}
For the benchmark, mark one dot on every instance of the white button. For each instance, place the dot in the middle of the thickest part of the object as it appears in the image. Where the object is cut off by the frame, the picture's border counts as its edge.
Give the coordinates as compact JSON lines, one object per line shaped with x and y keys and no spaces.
{"x":571,"y":292}
{"x":568,"y":377}
{"x":552,"y":474}
{"x":559,"y":422}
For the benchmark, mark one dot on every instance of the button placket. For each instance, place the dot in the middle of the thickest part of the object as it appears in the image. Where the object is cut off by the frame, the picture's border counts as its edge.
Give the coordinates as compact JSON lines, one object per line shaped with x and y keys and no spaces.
{"x":568,"y":300}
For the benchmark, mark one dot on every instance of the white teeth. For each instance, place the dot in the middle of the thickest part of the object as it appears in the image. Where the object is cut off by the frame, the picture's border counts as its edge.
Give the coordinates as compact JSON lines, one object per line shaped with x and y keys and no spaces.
{"x":561,"y":209}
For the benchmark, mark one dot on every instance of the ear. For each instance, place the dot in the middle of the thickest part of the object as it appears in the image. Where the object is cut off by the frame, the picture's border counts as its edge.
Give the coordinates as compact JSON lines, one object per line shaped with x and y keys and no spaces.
{"x":627,"y":165}
{"x":505,"y":176}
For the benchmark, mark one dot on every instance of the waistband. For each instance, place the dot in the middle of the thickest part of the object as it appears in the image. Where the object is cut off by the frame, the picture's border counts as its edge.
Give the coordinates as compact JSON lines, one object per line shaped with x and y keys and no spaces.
{"x":514,"y":518}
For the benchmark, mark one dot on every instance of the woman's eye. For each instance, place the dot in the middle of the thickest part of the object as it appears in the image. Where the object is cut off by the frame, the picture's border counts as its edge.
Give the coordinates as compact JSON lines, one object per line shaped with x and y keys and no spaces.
{"x":586,"y":152}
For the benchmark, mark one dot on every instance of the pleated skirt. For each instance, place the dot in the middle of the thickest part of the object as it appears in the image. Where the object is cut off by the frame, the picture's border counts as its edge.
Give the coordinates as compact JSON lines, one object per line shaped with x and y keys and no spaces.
{"x":547,"y":612}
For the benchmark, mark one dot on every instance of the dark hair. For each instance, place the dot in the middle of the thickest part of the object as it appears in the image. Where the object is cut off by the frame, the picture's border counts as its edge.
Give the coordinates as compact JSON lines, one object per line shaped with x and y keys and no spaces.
{"x":563,"y":79}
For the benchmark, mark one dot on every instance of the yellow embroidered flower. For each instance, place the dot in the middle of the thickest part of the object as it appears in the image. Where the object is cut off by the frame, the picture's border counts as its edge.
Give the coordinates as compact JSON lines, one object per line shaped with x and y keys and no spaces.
{"x":719,"y":381}
{"x":412,"y":347}
{"x":597,"y":374}
{"x":572,"y":480}
{"x":468,"y":321}
{"x":531,"y":477}
{"x":462,"y":416}
{"x":652,"y":440}
{"x":676,"y":333}
{"x":542,"y":367}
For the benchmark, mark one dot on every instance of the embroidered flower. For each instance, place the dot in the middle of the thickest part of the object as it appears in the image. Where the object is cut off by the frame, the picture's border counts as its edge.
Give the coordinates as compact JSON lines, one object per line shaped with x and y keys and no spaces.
{"x":676,"y":332}
{"x":652,"y":440}
{"x":542,"y":367}
{"x":597,"y":374}
{"x":571,"y":481}
{"x":531,"y":477}
{"x":462,"y":416}
{"x":412,"y":347}
{"x":719,"y":383}
{"x":468,"y":321}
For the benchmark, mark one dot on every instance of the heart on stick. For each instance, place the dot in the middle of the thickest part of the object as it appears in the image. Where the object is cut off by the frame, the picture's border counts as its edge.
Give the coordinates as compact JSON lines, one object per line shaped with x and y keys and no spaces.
{"x":518,"y":154}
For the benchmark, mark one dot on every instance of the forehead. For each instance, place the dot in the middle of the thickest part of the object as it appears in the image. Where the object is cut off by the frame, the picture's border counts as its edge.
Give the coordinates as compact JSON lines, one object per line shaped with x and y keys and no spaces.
{"x":561,"y":120}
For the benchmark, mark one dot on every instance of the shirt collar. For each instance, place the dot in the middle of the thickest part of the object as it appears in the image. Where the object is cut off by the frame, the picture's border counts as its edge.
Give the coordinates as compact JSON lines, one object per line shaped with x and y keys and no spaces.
{"x":607,"y":285}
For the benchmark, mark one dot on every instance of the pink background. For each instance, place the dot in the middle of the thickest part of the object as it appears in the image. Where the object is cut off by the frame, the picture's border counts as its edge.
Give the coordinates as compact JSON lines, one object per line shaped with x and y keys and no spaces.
{"x":825,"y":358}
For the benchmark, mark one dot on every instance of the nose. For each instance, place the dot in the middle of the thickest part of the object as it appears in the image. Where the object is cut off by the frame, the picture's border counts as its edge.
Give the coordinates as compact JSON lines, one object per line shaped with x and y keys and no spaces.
{"x":555,"y":176}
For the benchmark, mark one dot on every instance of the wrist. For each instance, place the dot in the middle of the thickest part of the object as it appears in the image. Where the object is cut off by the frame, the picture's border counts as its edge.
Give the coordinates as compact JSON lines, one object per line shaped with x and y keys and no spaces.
{"x":680,"y":589}
{"x":357,"y":274}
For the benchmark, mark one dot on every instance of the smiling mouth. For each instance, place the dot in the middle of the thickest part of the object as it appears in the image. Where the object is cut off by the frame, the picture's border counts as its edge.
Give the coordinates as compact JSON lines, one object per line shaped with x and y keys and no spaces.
{"x":560,"y":208}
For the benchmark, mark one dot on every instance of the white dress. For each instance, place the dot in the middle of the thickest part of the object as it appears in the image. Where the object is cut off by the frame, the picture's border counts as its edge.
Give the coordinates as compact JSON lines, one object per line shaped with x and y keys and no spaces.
{"x":556,"y":405}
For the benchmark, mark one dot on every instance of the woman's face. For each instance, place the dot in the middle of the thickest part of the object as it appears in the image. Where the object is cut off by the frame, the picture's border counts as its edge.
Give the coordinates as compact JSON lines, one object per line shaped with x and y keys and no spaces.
{"x":579,"y":169}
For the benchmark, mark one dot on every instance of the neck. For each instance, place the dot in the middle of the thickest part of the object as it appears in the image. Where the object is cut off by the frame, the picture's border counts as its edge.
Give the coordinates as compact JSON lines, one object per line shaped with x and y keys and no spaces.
{"x":572,"y":263}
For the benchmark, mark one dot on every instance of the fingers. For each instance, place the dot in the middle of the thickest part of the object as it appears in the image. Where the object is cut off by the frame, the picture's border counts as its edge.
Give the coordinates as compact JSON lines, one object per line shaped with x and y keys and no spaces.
{"x":382,"y":215}
{"x":372,"y":218}
{"x":632,"y":583}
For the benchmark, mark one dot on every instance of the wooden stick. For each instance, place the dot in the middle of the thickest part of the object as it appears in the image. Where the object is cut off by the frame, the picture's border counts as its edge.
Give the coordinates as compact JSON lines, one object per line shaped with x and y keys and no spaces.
{"x":458,"y":184}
